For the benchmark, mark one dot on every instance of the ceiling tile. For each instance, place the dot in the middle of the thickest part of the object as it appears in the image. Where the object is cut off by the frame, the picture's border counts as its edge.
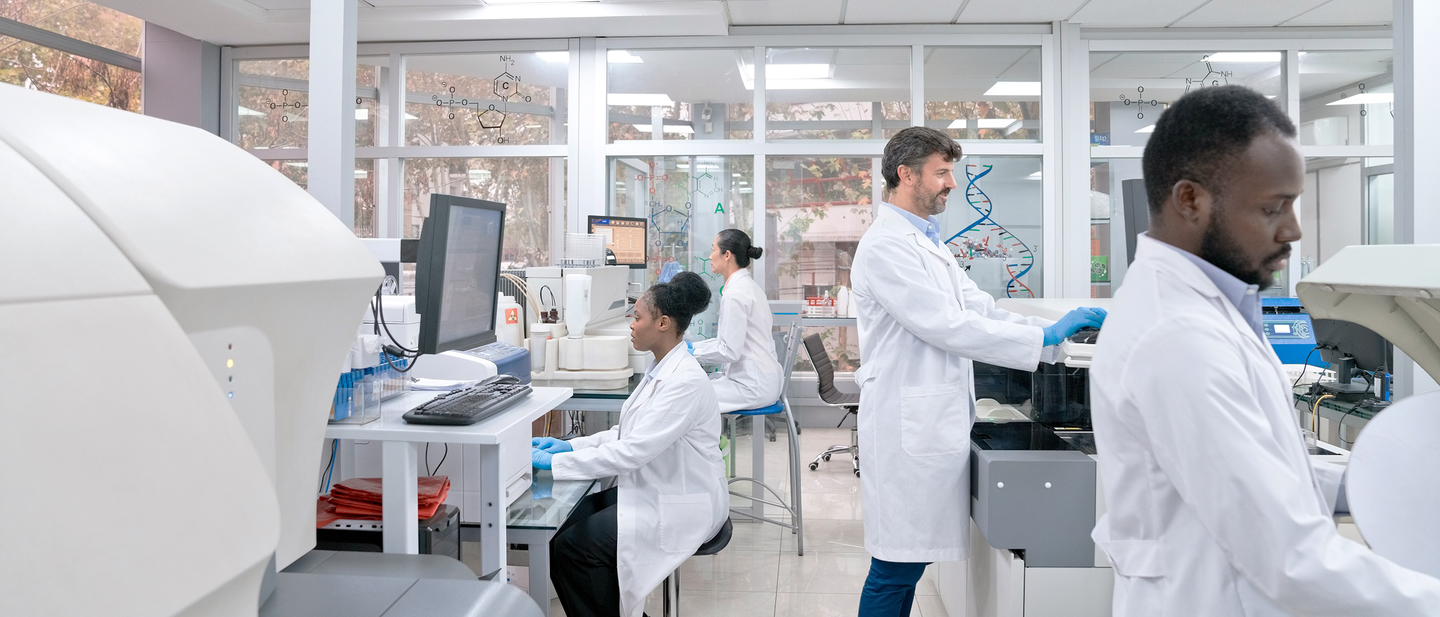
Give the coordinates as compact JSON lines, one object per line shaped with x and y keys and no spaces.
{"x":1130,"y":13}
{"x":1012,"y":12}
{"x":1347,"y":13}
{"x":408,"y":3}
{"x":271,"y":5}
{"x":784,"y":12}
{"x":1247,"y":12}
{"x":901,"y":11}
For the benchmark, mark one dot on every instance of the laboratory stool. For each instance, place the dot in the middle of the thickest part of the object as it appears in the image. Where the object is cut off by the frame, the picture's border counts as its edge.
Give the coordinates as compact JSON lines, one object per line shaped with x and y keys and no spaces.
{"x":825,"y":374}
{"x":787,"y":344}
{"x":670,"y":597}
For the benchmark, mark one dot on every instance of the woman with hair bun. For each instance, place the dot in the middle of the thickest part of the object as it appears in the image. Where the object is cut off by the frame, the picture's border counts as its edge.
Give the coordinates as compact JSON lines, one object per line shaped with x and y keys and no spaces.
{"x":743,"y":344}
{"x":669,"y":497}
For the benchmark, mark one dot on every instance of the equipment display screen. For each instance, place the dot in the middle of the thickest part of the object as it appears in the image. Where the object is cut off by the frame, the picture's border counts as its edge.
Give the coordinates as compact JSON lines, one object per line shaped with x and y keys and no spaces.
{"x":625,"y":237}
{"x":472,"y":251}
{"x":1281,"y":328}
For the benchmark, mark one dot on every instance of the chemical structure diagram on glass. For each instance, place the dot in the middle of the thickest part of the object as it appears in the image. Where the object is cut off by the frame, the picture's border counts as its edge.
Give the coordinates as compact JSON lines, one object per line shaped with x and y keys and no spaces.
{"x":1212,"y":78}
{"x":490,"y":115}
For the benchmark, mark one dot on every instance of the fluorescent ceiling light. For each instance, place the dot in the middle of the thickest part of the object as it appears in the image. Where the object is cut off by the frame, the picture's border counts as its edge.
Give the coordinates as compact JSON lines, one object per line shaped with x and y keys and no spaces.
{"x":410,"y":116}
{"x":533,"y":1}
{"x":1147,"y":129}
{"x":1014,"y":88}
{"x":1368,"y":98}
{"x":1035,"y":176}
{"x":554,"y":57}
{"x":620,"y":99}
{"x":794,"y":71}
{"x":362,"y":114}
{"x":668,"y":128}
{"x":297,"y":164}
{"x":361,"y":174}
{"x":620,"y":56}
{"x":1245,"y":57}
{"x":246,"y":111}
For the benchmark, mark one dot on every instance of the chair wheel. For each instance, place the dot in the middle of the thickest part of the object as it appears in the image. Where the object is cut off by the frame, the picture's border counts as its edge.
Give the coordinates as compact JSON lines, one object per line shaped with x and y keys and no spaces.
{"x":857,"y":473}
{"x":826,"y":457}
{"x":814,"y":466}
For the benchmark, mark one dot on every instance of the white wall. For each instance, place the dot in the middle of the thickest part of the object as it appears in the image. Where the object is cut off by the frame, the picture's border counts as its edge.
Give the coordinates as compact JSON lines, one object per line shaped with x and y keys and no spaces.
{"x":1339,"y":197}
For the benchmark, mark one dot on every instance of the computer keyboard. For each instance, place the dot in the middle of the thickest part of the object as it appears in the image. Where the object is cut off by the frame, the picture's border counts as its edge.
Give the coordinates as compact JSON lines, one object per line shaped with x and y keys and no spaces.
{"x":470,"y":405}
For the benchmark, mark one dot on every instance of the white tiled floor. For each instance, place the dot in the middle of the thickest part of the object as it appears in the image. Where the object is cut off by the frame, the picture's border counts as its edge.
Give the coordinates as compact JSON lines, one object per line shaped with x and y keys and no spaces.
{"x":758,"y":574}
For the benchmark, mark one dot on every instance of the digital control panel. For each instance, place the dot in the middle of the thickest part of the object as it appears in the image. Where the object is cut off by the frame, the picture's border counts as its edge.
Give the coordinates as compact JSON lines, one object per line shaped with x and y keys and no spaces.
{"x":1291,"y":335}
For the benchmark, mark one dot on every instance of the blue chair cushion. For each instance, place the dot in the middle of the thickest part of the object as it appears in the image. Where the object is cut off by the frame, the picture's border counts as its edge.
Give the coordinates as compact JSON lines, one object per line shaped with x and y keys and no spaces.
{"x":777,"y":407}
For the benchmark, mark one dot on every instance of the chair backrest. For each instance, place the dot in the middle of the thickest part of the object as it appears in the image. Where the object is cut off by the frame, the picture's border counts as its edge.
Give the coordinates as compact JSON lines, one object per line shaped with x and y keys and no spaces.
{"x":824,"y":369}
{"x":787,"y":345}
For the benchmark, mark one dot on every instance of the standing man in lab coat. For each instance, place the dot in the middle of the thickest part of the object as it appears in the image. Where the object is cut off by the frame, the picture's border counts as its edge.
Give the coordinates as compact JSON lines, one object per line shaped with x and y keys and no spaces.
{"x":922,"y":321}
{"x":1214,"y":505}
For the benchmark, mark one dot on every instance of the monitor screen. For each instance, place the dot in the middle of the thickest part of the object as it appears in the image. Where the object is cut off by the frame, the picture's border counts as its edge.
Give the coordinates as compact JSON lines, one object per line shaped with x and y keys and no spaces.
{"x":624,"y":237}
{"x":457,"y":273}
{"x":1281,"y":328}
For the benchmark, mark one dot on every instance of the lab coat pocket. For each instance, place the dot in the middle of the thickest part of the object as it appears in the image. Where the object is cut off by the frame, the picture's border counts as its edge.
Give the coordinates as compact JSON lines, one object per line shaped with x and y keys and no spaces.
{"x":1135,"y":558}
{"x":934,"y":420}
{"x":684,"y":522}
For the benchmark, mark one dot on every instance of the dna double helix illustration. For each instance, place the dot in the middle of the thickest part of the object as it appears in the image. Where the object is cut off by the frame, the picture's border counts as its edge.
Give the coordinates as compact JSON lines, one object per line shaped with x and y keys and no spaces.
{"x":985,"y":238}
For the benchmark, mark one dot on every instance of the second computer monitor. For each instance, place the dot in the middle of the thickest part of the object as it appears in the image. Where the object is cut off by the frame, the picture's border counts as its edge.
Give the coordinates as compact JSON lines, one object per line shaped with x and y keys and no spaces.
{"x":624,"y":238}
{"x":457,"y":271}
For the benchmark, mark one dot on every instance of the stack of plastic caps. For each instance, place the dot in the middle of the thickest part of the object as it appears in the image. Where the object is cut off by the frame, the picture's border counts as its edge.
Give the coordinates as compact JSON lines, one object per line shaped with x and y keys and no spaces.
{"x":361,"y":388}
{"x":360,"y":498}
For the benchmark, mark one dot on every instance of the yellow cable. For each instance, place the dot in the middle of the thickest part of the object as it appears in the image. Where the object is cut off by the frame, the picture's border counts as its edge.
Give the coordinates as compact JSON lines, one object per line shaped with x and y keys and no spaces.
{"x":1315,"y":411}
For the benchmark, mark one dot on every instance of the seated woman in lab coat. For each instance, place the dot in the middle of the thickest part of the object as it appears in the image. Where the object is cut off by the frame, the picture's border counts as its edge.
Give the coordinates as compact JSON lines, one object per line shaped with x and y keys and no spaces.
{"x":752,"y":376}
{"x":669,"y":496}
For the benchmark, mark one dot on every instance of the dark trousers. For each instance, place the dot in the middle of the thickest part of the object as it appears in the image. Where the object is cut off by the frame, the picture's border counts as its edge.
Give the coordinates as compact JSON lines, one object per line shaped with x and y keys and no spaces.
{"x":582,"y":558}
{"x":889,"y":589}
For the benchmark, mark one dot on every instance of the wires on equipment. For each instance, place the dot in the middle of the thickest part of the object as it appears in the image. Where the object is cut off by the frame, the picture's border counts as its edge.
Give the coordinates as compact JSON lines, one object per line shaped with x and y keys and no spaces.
{"x":1304,"y":366}
{"x":326,"y":475}
{"x":393,"y":348}
{"x":443,"y":456}
{"x":1315,"y":412}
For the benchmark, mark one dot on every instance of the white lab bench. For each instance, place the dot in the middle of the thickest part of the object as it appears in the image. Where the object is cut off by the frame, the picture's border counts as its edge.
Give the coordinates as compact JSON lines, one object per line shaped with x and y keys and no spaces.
{"x":400,"y":466}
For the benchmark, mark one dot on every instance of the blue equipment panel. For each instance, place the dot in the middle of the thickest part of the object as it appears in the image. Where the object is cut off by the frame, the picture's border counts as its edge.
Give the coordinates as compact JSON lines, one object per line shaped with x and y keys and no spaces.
{"x":508,"y":359}
{"x":1289,"y":330}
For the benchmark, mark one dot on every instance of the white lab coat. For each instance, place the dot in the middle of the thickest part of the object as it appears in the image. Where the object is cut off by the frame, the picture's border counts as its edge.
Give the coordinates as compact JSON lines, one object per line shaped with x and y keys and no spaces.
{"x":1214,"y":506}
{"x":752,"y":375}
{"x":665,"y":455}
{"x":922,"y":321}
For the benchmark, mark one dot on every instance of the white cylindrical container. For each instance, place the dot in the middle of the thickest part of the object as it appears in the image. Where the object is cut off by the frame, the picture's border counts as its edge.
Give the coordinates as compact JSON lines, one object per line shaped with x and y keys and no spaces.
{"x":577,"y":303}
{"x":842,"y":302}
{"x":552,"y":356}
{"x":508,"y":327}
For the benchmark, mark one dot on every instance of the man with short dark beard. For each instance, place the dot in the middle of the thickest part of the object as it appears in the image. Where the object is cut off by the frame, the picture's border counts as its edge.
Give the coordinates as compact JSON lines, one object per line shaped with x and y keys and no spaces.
{"x":1214,"y":507}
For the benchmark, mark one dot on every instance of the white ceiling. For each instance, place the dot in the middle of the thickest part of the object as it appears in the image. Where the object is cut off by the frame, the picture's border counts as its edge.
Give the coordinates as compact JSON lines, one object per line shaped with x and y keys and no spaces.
{"x":258,"y":22}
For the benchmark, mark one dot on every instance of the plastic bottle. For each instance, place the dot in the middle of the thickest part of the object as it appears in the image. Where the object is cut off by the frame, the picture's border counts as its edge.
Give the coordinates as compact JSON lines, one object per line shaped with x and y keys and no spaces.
{"x":508,"y":327}
{"x":842,"y":302}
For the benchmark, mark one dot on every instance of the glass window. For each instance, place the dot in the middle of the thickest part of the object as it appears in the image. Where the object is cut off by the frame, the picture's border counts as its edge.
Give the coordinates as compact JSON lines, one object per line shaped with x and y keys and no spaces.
{"x":1128,"y":90}
{"x":524,"y":185}
{"x":80,"y":20}
{"x":692,"y":93}
{"x":49,"y":70}
{"x":1380,"y":208}
{"x":485,"y":99}
{"x":837,"y":93}
{"x":983,"y":92}
{"x":1112,"y":183}
{"x":1347,"y":98}
{"x":687,"y":199}
{"x":993,"y":228}
{"x":273,"y":106}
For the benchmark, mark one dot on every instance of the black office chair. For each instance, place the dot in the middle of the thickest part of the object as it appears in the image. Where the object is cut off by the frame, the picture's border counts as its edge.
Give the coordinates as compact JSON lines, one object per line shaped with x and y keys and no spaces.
{"x":825,"y":371}
{"x":671,"y":607}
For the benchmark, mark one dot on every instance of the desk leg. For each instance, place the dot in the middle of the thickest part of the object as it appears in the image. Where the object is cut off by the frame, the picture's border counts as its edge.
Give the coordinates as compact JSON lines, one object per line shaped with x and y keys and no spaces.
{"x":400,"y":507}
{"x":492,"y":512}
{"x":538,"y":541}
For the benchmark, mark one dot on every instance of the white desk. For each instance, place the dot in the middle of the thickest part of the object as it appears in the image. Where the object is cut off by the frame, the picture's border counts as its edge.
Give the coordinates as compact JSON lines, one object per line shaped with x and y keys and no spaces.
{"x":400,"y":467}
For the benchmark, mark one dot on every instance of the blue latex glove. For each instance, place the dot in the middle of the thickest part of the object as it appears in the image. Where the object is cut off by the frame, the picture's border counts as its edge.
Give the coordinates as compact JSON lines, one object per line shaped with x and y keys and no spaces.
{"x":551,"y":445}
{"x":1072,"y":322}
{"x":690,"y":347}
{"x":540,"y":459}
{"x":669,"y":270}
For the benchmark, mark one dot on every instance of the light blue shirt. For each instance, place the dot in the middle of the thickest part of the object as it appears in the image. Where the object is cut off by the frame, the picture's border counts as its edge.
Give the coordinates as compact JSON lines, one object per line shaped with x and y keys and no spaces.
{"x":1245,"y":298}
{"x":928,"y":226}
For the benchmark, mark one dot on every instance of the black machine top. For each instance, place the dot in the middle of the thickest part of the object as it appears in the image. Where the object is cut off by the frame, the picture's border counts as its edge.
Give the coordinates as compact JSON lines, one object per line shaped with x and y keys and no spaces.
{"x":1030,"y":436}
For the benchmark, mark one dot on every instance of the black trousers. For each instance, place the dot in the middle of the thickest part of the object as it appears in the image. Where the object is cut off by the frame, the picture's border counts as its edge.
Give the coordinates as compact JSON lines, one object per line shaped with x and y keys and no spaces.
{"x":582,"y":558}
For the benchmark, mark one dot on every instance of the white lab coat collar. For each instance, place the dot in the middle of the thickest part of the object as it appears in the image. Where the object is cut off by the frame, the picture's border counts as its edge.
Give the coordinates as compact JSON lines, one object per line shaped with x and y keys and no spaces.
{"x":898,"y":223}
{"x":734,"y":276}
{"x":657,"y":372}
{"x":1170,"y":261}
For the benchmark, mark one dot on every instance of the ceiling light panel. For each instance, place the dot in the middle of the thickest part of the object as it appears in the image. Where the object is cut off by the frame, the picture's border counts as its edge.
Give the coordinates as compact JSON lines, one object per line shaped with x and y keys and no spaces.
{"x":1014,"y":88}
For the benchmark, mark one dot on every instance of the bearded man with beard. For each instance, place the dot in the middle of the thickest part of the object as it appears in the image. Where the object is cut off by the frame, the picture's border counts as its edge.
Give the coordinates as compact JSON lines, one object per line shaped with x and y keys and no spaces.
{"x":1214,"y":506}
{"x":922,"y":322}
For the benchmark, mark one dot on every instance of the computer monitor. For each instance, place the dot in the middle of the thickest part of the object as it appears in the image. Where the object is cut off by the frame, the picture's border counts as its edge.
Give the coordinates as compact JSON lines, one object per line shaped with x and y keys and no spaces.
{"x":1339,"y":338}
{"x":457,"y":271}
{"x":624,"y":238}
